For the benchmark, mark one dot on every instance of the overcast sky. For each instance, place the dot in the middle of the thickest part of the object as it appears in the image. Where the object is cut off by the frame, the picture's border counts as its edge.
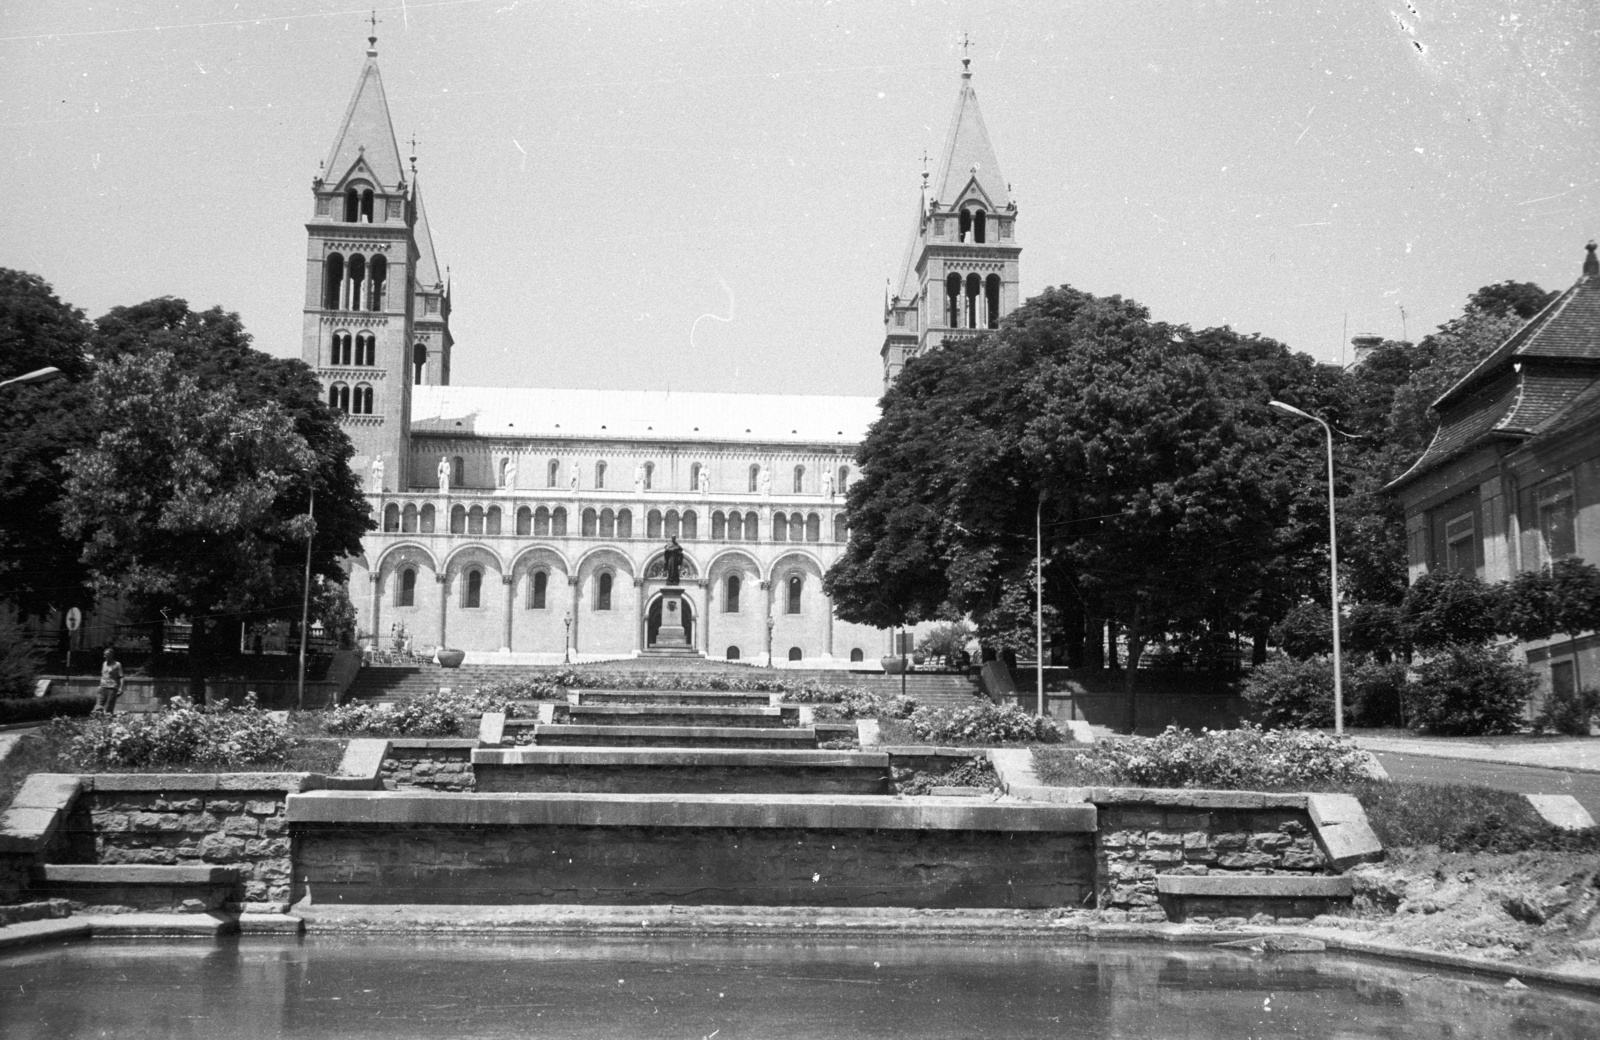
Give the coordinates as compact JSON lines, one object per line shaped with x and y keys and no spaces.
{"x":600,"y":175}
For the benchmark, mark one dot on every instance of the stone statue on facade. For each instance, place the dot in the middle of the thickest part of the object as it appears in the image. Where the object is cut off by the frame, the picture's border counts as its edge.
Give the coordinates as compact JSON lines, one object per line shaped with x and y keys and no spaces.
{"x":705,"y":481}
{"x":444,"y":474}
{"x":377,"y":475}
{"x":766,"y":481}
{"x":672,"y":558}
{"x":638,"y":480}
{"x":827,"y":484}
{"x":573,"y":482}
{"x":510,"y":475}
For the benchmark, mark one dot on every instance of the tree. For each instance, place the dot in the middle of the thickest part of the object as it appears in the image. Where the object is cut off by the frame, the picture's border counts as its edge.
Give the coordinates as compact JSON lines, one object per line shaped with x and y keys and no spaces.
{"x":1515,"y":299}
{"x":1563,"y":598}
{"x":40,"y":425}
{"x":1447,"y":608}
{"x":1173,"y":501}
{"x":1446,"y":356}
{"x":193,"y":500}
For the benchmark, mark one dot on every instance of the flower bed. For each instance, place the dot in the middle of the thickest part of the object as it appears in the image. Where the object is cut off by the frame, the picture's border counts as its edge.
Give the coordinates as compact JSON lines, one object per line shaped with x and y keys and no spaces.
{"x":548,"y":685}
{"x":435,"y":714}
{"x":182,"y":735}
{"x":983,"y":723}
{"x":864,"y":704}
{"x":1248,"y":758}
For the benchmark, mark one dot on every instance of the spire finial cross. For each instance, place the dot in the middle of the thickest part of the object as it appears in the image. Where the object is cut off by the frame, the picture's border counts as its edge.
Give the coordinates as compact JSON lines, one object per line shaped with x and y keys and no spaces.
{"x":373,"y":20}
{"x":966,"y":58}
{"x":413,"y":153}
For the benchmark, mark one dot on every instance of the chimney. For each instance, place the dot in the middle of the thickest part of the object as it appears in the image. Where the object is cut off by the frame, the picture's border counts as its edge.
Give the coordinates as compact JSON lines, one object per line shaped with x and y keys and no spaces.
{"x":1364,"y":344}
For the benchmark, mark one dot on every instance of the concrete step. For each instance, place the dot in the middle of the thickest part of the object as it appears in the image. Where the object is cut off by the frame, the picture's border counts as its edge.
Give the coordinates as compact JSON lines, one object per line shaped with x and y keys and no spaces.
{"x":125,"y":887}
{"x":658,"y":770}
{"x":721,"y":698}
{"x":677,"y":715}
{"x":673,"y":736}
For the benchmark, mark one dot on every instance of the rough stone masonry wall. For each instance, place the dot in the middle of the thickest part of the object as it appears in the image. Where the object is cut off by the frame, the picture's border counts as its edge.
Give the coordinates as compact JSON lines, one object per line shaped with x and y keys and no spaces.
{"x":178,"y":824}
{"x":1138,"y":841}
{"x":439,"y":765}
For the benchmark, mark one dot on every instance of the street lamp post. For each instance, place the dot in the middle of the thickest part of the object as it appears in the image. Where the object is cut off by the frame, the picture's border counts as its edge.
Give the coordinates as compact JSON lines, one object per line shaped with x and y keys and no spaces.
{"x":1038,"y":604}
{"x":770,"y":624}
{"x":305,"y":600}
{"x":1333,"y":567}
{"x":566,"y":639}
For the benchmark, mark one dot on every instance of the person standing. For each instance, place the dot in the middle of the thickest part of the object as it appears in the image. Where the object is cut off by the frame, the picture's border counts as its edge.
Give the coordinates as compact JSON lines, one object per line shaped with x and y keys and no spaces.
{"x":110,"y":683}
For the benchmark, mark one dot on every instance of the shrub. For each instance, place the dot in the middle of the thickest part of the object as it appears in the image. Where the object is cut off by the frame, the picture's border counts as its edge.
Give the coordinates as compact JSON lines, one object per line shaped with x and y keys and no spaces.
{"x":1374,"y":628}
{"x":1469,"y":691}
{"x":1306,"y":631}
{"x":983,"y":723}
{"x":1567,"y":711}
{"x":946,"y":642}
{"x":38,"y":709}
{"x":975,"y":772}
{"x":1248,"y":757}
{"x":183,"y":734}
{"x":1446,"y":608}
{"x":864,"y":704}
{"x":19,"y":662}
{"x":1287,"y":692}
{"x":436,"y":714}
{"x":1374,"y":693}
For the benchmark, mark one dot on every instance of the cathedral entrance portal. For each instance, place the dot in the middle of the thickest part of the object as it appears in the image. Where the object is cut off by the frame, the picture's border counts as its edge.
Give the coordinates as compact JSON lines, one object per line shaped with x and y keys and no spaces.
{"x":653,"y":621}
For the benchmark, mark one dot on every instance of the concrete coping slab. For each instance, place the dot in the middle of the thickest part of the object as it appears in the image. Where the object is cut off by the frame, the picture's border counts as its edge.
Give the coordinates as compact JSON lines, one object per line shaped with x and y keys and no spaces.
{"x":432,"y":743}
{"x":29,"y":933}
{"x":1342,"y":830}
{"x":1260,"y":886}
{"x":797,"y":735}
{"x":798,"y":812}
{"x":37,"y":812}
{"x":1561,"y":810}
{"x":1014,"y":767}
{"x":136,"y":874}
{"x":1187,"y":798}
{"x":492,"y":727}
{"x":171,"y":782}
{"x":931,"y":751}
{"x":363,"y":759}
{"x":868,"y":732}
{"x":161,"y":924}
{"x":668,"y":758}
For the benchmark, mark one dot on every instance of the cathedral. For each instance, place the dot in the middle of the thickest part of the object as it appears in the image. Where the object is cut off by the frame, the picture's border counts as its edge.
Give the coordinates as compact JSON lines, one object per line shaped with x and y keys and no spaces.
{"x":531,"y":523}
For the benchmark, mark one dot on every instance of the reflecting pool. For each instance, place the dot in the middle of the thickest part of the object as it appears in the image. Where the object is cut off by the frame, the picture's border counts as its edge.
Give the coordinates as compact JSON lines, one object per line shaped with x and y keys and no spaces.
{"x":396,"y":987}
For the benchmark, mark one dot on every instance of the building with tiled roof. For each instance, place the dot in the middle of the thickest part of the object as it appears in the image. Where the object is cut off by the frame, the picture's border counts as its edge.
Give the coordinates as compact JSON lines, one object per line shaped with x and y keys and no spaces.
{"x":532,"y":521}
{"x":1511,"y":480}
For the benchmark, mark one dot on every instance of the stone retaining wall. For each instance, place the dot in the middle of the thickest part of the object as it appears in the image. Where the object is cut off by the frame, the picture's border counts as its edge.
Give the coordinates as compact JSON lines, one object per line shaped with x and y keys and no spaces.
{"x":1143,"y":834}
{"x":233,"y":819}
{"x":438,"y":765}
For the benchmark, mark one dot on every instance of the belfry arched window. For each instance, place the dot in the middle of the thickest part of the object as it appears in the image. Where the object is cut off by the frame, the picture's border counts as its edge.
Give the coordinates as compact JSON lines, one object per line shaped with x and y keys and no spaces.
{"x":608,"y":524}
{"x":844,"y":478}
{"x":339,"y":397}
{"x":602,"y":592}
{"x":991,"y":300}
{"x":352,"y":206}
{"x":974,"y":302}
{"x":472,"y":591}
{"x":458,"y":471}
{"x":719,"y":526}
{"x":538,"y":590}
{"x":799,"y":479}
{"x":391,"y":517}
{"x":730,"y":602}
{"x":780,"y":527}
{"x":841,"y":530}
{"x":408,"y":519}
{"x":378,"y":284}
{"x":813,"y":527}
{"x":558,"y":522}
{"x":553,"y":472}
{"x":649,"y":475}
{"x":691,"y":525}
{"x":599,"y":475}
{"x":366,"y":350}
{"x":366,"y":206}
{"x":755,"y":478}
{"x":541,"y":521}
{"x":355,"y":276}
{"x":406,"y":594}
{"x":419,"y":364}
{"x":332,"y":280}
{"x":624,"y":523}
{"x":694,"y":476}
{"x":952,"y":301}
{"x":795,"y":586}
{"x":340,"y":354}
{"x":361,"y":404}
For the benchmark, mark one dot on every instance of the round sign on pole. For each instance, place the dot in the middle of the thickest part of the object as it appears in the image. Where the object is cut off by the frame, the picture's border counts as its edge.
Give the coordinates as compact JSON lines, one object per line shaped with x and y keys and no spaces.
{"x":74,"y":619}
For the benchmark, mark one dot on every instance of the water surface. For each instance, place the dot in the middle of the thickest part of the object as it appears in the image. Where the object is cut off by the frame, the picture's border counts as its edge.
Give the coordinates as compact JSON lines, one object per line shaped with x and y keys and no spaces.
{"x":395,"y":987}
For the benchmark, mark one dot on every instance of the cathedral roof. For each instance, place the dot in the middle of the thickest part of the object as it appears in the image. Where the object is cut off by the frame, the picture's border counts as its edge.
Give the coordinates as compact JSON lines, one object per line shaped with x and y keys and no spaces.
{"x":968,"y":155}
{"x":641,"y":415}
{"x":427,"y":260}
{"x":366,"y":133}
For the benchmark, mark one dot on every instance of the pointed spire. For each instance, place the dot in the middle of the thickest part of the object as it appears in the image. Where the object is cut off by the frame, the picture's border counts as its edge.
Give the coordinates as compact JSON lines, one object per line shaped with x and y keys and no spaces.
{"x":367,"y":133}
{"x":968,"y":155}
{"x":427,"y":259}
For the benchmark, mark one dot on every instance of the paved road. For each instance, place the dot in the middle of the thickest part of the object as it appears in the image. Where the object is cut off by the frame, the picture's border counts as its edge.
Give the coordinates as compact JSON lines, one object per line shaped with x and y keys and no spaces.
{"x":1519,"y":779}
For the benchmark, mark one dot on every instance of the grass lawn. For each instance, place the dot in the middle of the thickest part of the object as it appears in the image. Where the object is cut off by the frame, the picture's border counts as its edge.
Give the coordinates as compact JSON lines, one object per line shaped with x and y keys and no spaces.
{"x":47,"y":751}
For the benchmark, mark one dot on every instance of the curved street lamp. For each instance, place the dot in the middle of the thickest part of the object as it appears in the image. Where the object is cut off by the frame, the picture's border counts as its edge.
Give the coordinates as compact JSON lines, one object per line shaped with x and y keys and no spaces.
{"x":1333,"y":566}
{"x":38,"y":375}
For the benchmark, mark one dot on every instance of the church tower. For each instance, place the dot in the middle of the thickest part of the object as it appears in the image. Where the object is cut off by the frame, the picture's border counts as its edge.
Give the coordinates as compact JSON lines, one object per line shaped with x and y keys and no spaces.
{"x":960,"y":274}
{"x":376,"y":309}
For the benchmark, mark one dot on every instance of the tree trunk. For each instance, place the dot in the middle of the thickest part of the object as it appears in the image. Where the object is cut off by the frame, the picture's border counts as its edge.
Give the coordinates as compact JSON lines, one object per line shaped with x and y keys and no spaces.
{"x":1258,"y":643}
{"x":1135,"y":651}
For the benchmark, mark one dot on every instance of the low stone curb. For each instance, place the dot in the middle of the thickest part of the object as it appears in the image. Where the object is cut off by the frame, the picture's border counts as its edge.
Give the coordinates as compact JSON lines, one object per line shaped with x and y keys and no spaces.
{"x":150,"y":925}
{"x":1561,"y":810}
{"x":33,"y":933}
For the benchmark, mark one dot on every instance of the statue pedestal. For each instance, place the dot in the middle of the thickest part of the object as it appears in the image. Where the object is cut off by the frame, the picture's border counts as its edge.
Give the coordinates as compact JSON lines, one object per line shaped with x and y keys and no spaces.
{"x":671,"y":635}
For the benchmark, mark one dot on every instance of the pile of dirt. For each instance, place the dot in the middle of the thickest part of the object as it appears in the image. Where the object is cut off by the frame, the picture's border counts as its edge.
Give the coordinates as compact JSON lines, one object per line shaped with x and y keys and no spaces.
{"x":1535,"y":908}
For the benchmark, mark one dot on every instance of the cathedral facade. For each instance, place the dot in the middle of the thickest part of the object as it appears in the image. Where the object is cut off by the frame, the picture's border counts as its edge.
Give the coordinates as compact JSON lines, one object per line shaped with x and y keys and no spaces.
{"x":531,"y":522}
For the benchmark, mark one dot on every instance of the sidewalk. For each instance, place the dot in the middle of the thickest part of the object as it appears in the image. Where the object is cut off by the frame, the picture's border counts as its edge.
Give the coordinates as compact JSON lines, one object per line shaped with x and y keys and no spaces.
{"x":1574,"y":754}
